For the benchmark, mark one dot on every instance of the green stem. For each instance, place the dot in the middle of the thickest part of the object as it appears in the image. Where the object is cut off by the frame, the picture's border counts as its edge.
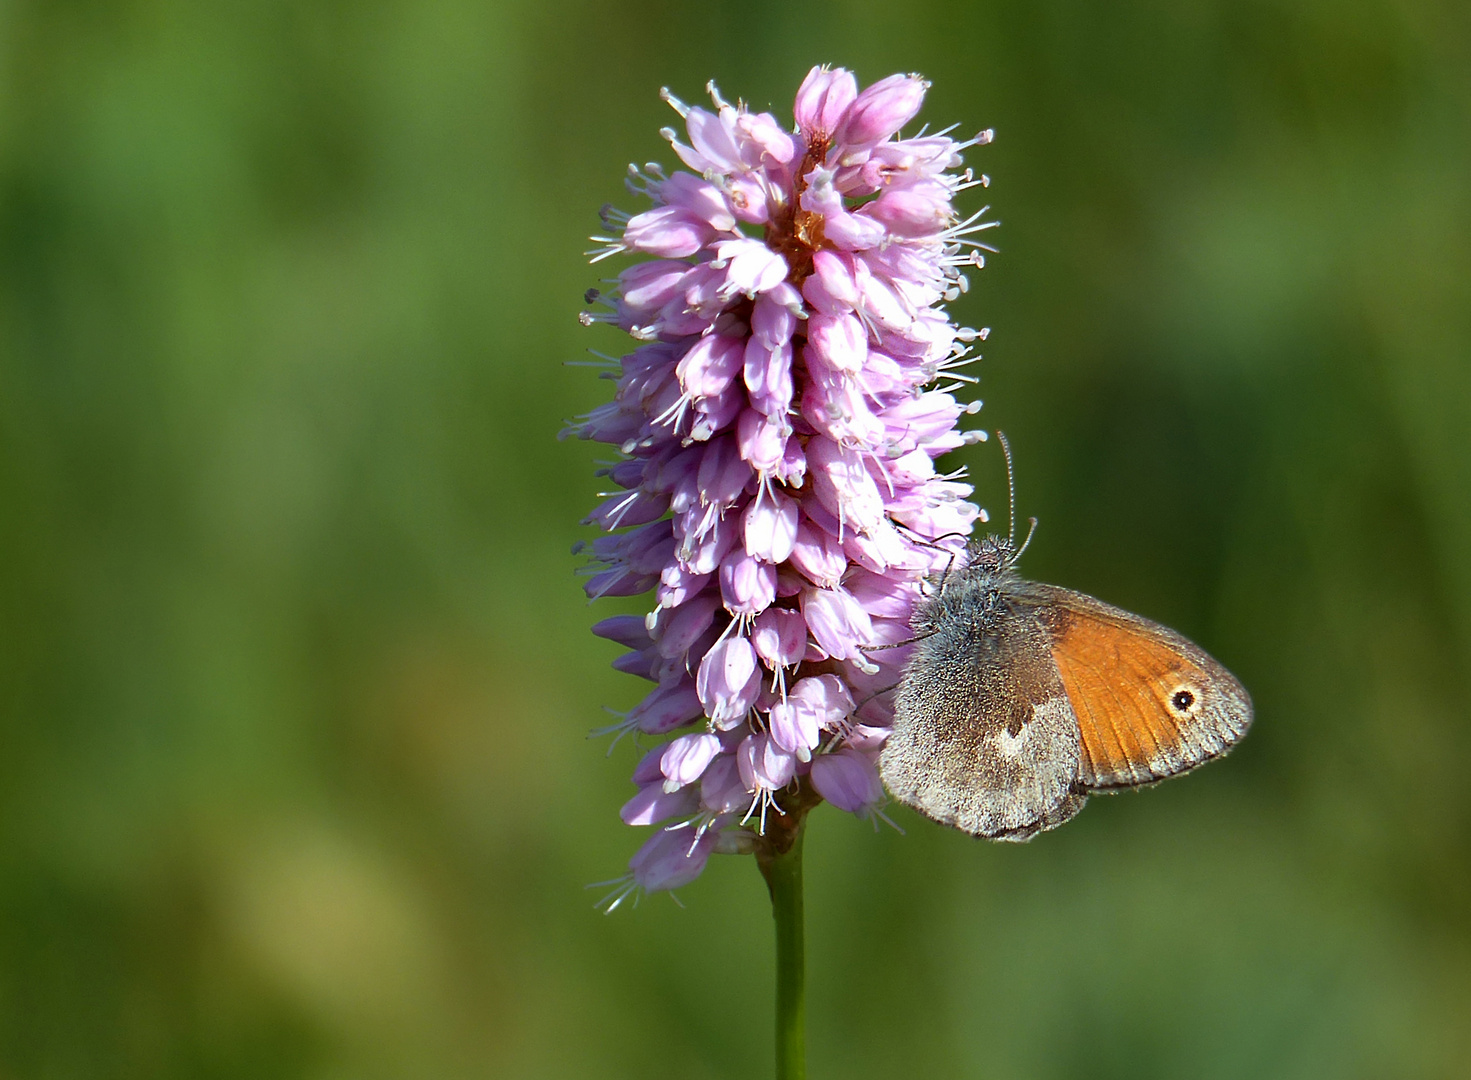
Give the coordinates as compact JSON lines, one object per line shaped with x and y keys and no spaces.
{"x":783,"y":873}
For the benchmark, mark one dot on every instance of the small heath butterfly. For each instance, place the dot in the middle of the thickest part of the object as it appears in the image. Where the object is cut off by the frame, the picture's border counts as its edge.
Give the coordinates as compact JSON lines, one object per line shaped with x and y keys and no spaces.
{"x":1022,"y":699}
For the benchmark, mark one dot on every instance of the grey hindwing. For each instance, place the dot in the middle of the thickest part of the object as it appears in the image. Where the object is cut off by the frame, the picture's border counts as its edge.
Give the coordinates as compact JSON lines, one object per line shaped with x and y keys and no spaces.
{"x":984,"y":738}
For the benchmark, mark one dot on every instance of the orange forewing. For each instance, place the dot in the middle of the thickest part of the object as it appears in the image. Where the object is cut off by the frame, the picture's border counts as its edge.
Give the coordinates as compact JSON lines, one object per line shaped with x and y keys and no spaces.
{"x":1121,"y":678}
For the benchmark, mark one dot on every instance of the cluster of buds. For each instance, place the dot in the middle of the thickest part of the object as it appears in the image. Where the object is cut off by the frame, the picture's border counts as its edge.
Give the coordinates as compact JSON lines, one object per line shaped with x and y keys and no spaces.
{"x":777,"y":432}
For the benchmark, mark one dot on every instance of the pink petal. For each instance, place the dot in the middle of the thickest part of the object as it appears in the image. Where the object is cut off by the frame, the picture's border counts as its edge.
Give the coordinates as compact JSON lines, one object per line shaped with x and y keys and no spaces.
{"x":838,"y":624}
{"x":685,"y":759}
{"x":826,"y":696}
{"x":823,"y":100}
{"x":728,"y":681}
{"x":881,"y":110}
{"x":722,"y":789}
{"x":764,"y":765}
{"x":753,"y":267}
{"x":844,"y":485}
{"x":838,"y":341}
{"x":666,"y":708}
{"x":671,"y":858}
{"x":699,"y":197}
{"x":779,"y":636}
{"x":747,"y":585}
{"x":794,"y":727}
{"x":653,"y":804}
{"x":848,"y":780}
{"x":669,"y":232}
{"x":770,"y":527}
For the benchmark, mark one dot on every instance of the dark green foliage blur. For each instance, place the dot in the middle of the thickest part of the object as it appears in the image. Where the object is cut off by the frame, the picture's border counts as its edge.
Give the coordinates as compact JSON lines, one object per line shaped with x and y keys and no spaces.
{"x":295,"y":677}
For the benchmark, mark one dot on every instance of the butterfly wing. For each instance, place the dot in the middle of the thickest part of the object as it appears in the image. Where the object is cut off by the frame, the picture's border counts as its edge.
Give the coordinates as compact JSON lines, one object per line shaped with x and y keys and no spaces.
{"x":1150,"y":703}
{"x":983,"y":736}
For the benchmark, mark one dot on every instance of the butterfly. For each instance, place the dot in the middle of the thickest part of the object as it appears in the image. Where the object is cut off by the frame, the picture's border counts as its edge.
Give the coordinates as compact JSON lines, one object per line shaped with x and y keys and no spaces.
{"x":1021,"y":699}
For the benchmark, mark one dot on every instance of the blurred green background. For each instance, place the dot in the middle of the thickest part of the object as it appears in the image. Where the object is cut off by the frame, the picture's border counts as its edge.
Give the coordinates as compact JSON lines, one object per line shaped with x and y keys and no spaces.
{"x":295,"y":677}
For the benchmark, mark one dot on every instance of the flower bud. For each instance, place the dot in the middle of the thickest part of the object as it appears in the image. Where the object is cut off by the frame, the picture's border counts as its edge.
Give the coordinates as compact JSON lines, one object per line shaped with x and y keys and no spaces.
{"x":823,"y":100}
{"x":848,"y":780}
{"x":880,"y":111}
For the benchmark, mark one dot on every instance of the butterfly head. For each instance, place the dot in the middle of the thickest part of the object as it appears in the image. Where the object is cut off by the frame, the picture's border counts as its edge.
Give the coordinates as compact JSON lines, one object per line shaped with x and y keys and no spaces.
{"x":996,"y":555}
{"x":992,"y":555}
{"x":967,"y":593}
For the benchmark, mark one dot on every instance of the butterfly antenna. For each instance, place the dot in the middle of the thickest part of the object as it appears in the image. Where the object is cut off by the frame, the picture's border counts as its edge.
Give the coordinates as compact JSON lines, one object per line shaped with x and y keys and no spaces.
{"x":1010,"y":490}
{"x":1027,"y":541}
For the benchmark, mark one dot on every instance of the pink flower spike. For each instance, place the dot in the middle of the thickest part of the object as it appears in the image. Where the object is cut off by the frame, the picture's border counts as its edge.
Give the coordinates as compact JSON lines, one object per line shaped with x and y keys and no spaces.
{"x":776,"y":481}
{"x":748,"y":197}
{"x":677,"y":586}
{"x":709,"y":535}
{"x":722,"y":475}
{"x":912,"y":469}
{"x":647,"y":287}
{"x":922,"y":210}
{"x":849,"y":231}
{"x":869,"y":740}
{"x":616,"y":583}
{"x":832,"y":289}
{"x":848,"y":780}
{"x":714,"y":138}
{"x":882,"y":596}
{"x":762,"y":131}
{"x":644,"y":663}
{"x":844,"y":485}
{"x":638,"y":507}
{"x":853,"y":232}
{"x":793,"y":468}
{"x":710,"y":365}
{"x":774,"y":315}
{"x":768,"y":377}
{"x":885,"y":551}
{"x":712,"y":414}
{"x":836,"y":406}
{"x":647,"y":770}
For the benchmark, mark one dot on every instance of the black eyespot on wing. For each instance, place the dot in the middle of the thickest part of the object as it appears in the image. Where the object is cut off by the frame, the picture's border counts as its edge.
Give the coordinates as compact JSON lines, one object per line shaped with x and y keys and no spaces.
{"x":1182,"y":700}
